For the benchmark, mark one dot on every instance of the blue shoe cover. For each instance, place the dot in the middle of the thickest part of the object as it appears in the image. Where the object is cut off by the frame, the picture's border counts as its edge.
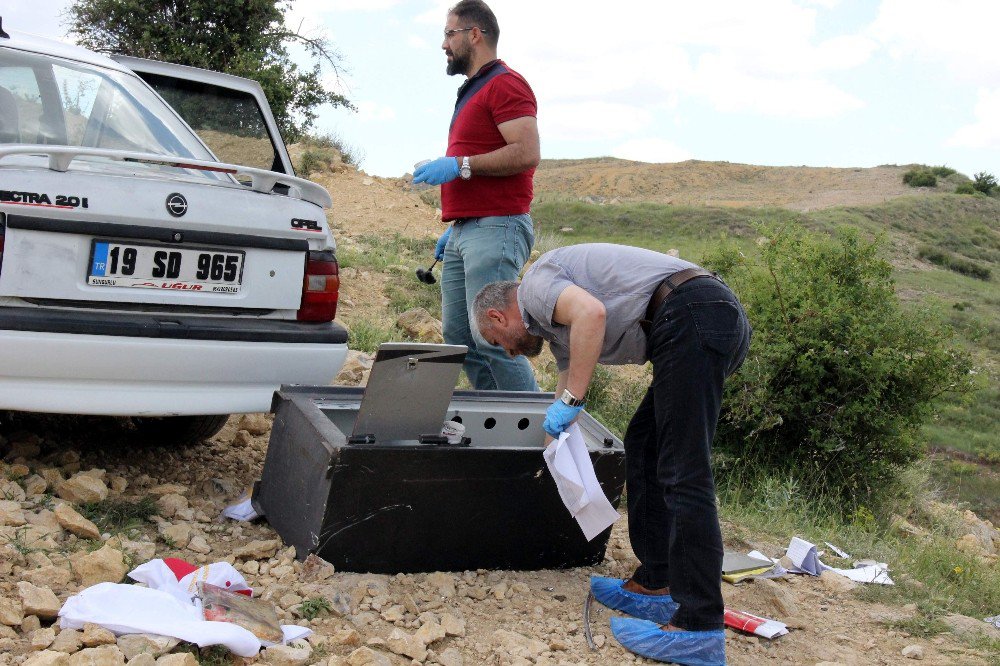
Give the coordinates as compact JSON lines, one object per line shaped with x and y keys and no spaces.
{"x":692,"y":648}
{"x":609,"y":591}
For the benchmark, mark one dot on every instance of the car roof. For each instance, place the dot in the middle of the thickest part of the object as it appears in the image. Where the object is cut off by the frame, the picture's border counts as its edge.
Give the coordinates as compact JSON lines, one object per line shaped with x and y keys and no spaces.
{"x":24,"y":41}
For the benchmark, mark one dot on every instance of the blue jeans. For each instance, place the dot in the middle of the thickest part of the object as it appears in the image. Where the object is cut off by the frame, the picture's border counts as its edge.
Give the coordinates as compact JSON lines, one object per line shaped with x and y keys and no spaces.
{"x":699,"y":336}
{"x":482,"y":250}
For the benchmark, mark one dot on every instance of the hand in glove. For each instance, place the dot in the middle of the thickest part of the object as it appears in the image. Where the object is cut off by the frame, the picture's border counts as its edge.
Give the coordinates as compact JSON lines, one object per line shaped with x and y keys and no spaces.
{"x":558,"y":417}
{"x":437,"y":171}
{"x":442,"y":242}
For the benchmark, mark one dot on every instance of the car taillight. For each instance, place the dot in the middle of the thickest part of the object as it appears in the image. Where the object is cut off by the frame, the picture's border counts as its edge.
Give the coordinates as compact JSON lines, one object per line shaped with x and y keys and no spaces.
{"x":320,"y":285}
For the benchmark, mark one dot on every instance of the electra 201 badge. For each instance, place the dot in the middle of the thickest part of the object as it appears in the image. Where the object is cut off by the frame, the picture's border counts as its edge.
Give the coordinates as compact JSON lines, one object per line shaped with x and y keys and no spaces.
{"x":177,"y":205}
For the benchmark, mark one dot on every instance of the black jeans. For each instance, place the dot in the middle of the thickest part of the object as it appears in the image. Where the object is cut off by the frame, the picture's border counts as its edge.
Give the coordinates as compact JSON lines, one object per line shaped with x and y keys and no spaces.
{"x":699,"y":336}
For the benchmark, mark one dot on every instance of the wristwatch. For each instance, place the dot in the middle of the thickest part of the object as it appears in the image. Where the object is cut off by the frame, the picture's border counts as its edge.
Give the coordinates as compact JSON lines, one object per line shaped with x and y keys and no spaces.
{"x":466,"y":170}
{"x":571,"y":400}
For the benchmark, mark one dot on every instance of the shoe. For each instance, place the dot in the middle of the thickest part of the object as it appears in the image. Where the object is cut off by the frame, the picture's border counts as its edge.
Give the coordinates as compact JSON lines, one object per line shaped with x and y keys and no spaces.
{"x":692,"y":648}
{"x":611,"y":593}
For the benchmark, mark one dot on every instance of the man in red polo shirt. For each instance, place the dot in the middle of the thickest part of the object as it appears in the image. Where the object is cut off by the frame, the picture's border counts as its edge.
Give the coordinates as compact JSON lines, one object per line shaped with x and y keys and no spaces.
{"x":486,"y":188}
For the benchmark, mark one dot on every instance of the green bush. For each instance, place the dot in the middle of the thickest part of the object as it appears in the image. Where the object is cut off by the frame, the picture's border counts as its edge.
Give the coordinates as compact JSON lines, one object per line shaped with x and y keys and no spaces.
{"x":965,"y":188}
{"x":984,"y":182}
{"x":920,"y":177}
{"x":954,"y":262}
{"x":839,"y":377}
{"x":942,"y":171}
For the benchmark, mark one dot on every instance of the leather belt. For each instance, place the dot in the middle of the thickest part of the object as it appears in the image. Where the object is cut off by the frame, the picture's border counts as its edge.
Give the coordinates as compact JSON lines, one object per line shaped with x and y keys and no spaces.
{"x":665,"y":288}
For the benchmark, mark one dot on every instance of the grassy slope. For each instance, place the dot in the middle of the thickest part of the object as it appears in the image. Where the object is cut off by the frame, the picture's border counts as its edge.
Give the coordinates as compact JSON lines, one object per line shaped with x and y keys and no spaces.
{"x":965,"y":227}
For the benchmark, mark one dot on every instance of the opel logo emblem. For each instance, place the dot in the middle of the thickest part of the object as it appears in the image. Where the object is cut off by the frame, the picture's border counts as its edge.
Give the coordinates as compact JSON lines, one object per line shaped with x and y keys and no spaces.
{"x":177,"y":205}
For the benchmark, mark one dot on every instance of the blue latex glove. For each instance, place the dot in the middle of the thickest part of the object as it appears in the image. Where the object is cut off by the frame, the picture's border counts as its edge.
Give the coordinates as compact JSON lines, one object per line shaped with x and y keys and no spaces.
{"x":442,"y":242}
{"x":558,"y":417}
{"x":437,"y":171}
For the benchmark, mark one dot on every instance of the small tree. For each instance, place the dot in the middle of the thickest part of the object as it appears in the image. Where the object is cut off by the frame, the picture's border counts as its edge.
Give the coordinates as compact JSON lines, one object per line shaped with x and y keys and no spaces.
{"x":984,"y":182}
{"x":840,"y":377}
{"x":247,"y":38}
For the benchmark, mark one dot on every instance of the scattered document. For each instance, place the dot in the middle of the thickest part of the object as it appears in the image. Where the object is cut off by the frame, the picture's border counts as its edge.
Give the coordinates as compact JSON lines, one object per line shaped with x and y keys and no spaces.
{"x":836,"y":551}
{"x":805,"y":560}
{"x":570,"y":466}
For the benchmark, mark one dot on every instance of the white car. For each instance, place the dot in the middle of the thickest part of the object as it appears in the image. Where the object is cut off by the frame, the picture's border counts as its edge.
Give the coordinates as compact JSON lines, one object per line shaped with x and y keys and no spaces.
{"x":158,"y":256}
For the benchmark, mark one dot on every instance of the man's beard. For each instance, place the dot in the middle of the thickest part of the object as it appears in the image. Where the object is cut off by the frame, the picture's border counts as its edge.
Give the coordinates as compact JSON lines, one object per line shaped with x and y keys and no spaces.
{"x":459,"y":63}
{"x":531,"y":346}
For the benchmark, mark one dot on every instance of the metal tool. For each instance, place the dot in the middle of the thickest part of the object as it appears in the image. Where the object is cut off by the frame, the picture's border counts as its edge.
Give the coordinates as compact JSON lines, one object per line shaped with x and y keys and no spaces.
{"x":586,"y":621}
{"x":426,"y":276}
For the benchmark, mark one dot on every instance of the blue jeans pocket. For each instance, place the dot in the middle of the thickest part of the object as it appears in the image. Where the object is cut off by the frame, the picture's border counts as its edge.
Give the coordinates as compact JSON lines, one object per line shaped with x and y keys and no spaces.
{"x":718,"y":325}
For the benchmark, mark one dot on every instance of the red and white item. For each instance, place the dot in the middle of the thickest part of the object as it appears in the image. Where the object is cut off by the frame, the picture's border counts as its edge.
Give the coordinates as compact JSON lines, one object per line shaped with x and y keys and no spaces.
{"x":761,"y":626}
{"x":180,"y":578}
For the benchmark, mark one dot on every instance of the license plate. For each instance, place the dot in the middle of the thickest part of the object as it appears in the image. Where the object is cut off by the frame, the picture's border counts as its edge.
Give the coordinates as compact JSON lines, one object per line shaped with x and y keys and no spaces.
{"x":209,"y":270}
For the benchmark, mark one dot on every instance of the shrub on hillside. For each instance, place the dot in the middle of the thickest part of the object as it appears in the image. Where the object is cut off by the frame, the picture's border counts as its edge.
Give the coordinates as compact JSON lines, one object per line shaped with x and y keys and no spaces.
{"x":920,"y":177}
{"x":965,"y":188}
{"x":954,"y":262}
{"x":839,"y":376}
{"x":942,"y":171}
{"x":984,"y":182}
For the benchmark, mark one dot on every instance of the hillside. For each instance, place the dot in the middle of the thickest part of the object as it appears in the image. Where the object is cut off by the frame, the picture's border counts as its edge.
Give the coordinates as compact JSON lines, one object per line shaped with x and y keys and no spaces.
{"x":724,"y":184}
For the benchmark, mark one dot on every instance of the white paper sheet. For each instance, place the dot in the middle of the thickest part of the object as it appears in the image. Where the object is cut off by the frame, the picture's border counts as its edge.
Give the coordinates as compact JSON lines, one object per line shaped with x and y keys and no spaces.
{"x":570,"y":466}
{"x":803,"y":556}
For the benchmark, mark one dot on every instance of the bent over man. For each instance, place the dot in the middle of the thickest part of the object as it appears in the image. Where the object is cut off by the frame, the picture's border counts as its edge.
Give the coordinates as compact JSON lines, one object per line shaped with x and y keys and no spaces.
{"x":612,"y":304}
{"x":486,"y":188}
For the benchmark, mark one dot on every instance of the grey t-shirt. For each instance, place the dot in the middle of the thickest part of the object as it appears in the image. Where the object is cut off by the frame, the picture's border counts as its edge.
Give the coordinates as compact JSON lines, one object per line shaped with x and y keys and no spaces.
{"x":623,"y":278}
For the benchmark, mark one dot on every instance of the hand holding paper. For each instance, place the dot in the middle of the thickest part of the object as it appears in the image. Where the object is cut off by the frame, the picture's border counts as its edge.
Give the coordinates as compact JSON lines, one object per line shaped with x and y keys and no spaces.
{"x":570,"y":466}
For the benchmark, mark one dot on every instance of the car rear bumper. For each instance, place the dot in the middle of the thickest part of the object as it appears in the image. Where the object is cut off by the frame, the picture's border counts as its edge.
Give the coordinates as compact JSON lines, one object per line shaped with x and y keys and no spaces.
{"x":155,"y":365}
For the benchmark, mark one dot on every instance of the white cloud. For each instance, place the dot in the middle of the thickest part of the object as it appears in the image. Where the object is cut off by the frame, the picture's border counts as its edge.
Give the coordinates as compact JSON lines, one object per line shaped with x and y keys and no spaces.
{"x":985,"y":132}
{"x":374,"y":112}
{"x":589,"y":121}
{"x":651,"y":149}
{"x":416,"y":42}
{"x":960,"y":34}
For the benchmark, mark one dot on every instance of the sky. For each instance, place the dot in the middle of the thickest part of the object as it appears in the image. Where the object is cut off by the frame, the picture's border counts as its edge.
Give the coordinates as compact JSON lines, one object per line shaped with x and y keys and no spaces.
{"x":843,"y":83}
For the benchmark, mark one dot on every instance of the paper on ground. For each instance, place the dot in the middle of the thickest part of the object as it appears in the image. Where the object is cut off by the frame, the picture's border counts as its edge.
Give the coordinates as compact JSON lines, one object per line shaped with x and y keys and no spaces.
{"x":760,"y":626}
{"x":777,"y":571}
{"x":243,"y":510}
{"x":803,"y":556}
{"x":570,"y":466}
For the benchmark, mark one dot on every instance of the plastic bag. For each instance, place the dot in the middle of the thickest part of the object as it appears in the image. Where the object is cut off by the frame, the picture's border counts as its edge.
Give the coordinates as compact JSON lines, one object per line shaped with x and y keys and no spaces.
{"x":256,"y":616}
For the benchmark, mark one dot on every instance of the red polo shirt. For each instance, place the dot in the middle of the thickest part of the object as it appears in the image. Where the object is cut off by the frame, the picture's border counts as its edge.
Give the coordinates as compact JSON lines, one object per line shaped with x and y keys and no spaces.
{"x":494,"y":95}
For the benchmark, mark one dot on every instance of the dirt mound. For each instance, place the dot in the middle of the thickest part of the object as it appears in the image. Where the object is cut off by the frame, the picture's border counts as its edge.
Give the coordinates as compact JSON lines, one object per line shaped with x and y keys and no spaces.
{"x":696,"y":183}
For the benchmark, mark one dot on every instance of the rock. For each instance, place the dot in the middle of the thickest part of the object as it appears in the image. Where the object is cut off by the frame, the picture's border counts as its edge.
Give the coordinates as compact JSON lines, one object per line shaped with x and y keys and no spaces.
{"x":258,"y":550}
{"x":42,"y":638}
{"x":286,"y":655}
{"x":356,"y":369}
{"x":142,"y":660}
{"x":52,"y":476}
{"x":143,"y":551}
{"x":452,"y":625}
{"x":74,"y":523}
{"x":168,"y":489}
{"x":40,"y":601}
{"x":170,"y":504}
{"x":349,"y":637}
{"x":179,"y":659}
{"x":499,"y":591}
{"x":30,"y":623}
{"x":47,"y":658}
{"x":983,"y":531}
{"x":964,"y":625}
{"x":11,"y":614}
{"x":118,"y":484}
{"x":420,"y":325}
{"x":68,"y":641}
{"x":151,"y":644}
{"x":177,"y":535}
{"x":393,"y":613}
{"x":11,"y":513}
{"x":255,"y":424}
{"x":970,"y":544}
{"x":836,"y":583}
{"x":315,"y":569}
{"x":11,"y":491}
{"x":51,"y":575}
{"x":106,"y":565}
{"x":95,"y":634}
{"x":913,"y":652}
{"x":518,"y":645}
{"x":251,"y":567}
{"x":402,"y":643}
{"x":443,"y":584}
{"x":779,"y":601}
{"x":428,"y":633}
{"x":365,"y":656}
{"x":82,"y":488}
{"x":35,"y":485}
{"x":106,"y":655}
{"x":199,"y":544}
{"x":45,"y":521}
{"x":451,"y":657}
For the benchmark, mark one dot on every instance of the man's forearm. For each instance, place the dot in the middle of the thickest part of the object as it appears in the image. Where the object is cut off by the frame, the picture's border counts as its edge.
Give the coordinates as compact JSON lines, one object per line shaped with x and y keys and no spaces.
{"x":506,"y":161}
{"x":586,"y":339}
